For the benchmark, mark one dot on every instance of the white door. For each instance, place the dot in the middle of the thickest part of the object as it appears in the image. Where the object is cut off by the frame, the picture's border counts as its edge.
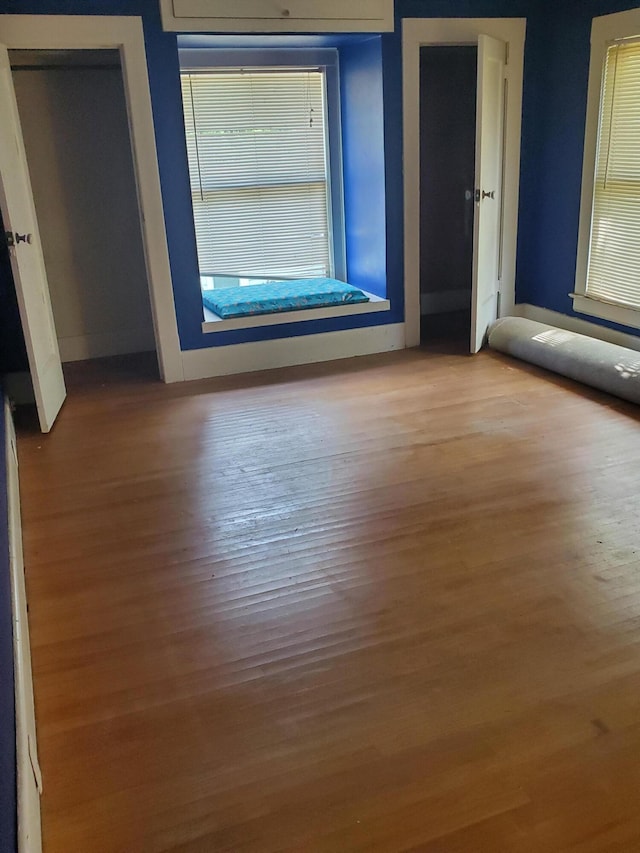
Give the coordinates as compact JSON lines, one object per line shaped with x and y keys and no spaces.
{"x":27,"y":262}
{"x":489,"y":145}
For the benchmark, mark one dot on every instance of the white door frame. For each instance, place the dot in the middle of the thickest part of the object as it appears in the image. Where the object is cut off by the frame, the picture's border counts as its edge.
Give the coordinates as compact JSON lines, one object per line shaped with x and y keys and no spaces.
{"x":124,"y":33}
{"x":420,"y":32}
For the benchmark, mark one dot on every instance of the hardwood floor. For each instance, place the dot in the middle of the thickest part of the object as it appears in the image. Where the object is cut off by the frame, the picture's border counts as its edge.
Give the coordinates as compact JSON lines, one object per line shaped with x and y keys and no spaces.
{"x":391,"y":604}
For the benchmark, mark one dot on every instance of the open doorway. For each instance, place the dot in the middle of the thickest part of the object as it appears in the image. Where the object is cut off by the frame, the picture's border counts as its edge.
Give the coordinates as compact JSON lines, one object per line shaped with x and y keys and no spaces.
{"x":500,"y":59}
{"x":73,"y":116}
{"x":448,"y":85}
{"x":77,"y":32}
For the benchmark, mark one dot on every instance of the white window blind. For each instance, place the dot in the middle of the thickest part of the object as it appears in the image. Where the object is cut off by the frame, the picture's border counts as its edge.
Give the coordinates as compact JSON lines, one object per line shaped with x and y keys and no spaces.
{"x":614,"y":255}
{"x":257,"y":163}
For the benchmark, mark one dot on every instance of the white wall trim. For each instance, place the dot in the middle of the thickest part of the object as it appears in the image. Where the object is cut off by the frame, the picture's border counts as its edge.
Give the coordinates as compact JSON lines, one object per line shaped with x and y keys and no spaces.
{"x":416,"y":33}
{"x":604,"y":30}
{"x":574,"y":324}
{"x":125,"y":33}
{"x":606,"y":310}
{"x":335,"y":16}
{"x":285,"y":352}
{"x":29,"y":781}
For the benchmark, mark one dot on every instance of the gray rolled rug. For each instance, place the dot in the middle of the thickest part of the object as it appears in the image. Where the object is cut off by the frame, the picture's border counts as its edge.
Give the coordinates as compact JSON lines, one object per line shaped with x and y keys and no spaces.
{"x":597,"y":363}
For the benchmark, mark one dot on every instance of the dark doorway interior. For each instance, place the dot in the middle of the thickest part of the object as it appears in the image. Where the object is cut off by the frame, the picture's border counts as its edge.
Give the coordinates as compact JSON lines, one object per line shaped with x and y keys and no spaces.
{"x":447,"y":163}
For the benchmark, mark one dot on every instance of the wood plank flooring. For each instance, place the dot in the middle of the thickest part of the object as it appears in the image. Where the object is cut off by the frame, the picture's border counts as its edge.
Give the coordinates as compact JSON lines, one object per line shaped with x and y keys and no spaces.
{"x":390,"y":604}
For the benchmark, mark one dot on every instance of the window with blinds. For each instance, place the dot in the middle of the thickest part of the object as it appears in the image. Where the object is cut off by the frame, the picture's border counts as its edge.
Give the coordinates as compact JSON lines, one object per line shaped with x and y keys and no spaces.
{"x":613,"y":274}
{"x":256,"y":142}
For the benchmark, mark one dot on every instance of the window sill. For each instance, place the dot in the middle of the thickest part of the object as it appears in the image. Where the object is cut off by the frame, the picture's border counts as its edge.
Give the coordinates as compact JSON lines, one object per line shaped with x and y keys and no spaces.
{"x":212,"y":323}
{"x":606,"y":311}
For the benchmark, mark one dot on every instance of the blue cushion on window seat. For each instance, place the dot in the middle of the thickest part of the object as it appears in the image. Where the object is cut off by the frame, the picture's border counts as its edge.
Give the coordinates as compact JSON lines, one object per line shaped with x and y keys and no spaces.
{"x":279,"y":296}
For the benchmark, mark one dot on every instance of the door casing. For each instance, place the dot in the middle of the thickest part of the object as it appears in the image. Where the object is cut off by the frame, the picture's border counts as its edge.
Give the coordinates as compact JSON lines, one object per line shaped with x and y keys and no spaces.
{"x":422,"y":32}
{"x":124,"y":33}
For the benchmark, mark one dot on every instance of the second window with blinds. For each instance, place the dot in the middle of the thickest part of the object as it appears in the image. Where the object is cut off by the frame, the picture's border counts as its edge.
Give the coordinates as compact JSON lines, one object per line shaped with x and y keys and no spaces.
{"x":264,"y":189}
{"x":608,"y":267}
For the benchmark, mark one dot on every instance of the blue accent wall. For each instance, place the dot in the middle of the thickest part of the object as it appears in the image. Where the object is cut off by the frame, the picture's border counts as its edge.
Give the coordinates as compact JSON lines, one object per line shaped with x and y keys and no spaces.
{"x":362,"y":62}
{"x":557,"y":75}
{"x":392,"y":89}
{"x":365,"y":214}
{"x":556,"y":70}
{"x":366,"y":168}
{"x":7,"y":707}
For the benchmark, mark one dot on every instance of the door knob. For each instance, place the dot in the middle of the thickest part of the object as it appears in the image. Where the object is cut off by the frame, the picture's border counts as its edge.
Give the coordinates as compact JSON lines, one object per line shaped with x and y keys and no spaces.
{"x":491,"y":194}
{"x":13,"y":239}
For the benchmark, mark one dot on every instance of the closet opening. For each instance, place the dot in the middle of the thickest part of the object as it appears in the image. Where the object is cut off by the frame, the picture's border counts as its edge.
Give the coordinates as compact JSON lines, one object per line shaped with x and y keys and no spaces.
{"x":73,"y":115}
{"x":448,"y":91}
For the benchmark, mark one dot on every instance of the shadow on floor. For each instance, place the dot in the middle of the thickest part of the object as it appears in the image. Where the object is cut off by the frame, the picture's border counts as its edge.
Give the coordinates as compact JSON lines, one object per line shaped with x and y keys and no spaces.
{"x":133,"y":368}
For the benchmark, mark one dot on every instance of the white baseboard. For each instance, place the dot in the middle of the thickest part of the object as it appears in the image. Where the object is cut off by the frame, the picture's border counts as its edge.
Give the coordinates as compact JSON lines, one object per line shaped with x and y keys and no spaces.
{"x":81,"y":347}
{"x":286,"y":352}
{"x":574,"y":324}
{"x":445,"y":301}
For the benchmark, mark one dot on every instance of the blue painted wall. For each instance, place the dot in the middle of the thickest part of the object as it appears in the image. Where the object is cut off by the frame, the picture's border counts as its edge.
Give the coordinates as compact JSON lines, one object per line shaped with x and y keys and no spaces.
{"x":362,"y":66}
{"x":361,"y":95}
{"x":556,"y":68}
{"x":162,"y":58}
{"x":7,"y":712}
{"x":366,"y":212}
{"x":362,"y":123}
{"x":552,"y":156}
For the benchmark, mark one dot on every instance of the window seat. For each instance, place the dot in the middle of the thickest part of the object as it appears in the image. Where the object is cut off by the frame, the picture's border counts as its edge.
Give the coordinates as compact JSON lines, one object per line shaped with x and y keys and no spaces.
{"x":279,"y":296}
{"x":285,"y":302}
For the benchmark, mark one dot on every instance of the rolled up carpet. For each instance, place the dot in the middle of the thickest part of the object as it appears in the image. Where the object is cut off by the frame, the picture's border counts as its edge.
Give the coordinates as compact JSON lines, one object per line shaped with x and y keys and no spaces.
{"x":602,"y":365}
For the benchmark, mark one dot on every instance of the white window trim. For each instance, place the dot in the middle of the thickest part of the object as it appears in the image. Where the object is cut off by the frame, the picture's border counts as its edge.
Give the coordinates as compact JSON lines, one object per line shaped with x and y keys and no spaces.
{"x":219,"y":324}
{"x":195,"y":59}
{"x":604,"y":30}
